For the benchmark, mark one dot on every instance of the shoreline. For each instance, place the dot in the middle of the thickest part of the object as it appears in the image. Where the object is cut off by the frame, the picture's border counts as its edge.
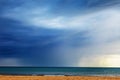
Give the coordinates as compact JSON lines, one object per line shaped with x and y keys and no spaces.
{"x":47,"y":77}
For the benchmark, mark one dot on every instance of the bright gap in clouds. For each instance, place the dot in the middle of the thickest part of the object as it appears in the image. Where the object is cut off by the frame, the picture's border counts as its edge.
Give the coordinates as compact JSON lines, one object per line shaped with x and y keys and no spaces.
{"x":105,"y":54}
{"x":110,"y":60}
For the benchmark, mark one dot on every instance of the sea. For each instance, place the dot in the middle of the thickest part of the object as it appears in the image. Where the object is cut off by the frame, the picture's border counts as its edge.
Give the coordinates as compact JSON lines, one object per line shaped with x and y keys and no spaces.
{"x":58,"y":71}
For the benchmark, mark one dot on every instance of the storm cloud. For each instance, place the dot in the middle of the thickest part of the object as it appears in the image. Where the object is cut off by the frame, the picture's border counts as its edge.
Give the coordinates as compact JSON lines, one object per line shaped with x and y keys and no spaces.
{"x":58,"y":32}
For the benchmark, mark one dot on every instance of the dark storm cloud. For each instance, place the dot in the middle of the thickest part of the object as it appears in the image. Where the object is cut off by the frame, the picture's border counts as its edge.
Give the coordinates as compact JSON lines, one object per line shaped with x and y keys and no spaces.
{"x":18,"y":41}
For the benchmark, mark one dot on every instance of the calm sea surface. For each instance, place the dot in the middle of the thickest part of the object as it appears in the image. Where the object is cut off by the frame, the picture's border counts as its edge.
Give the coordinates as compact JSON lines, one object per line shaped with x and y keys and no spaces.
{"x":76,"y":71}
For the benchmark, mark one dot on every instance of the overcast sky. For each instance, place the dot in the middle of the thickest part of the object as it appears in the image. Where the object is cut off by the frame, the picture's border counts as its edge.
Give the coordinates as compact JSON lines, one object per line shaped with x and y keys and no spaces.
{"x":59,"y":33}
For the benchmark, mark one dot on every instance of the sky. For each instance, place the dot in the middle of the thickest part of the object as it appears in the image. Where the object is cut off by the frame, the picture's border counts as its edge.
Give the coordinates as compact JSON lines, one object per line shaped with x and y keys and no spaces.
{"x":60,"y":33}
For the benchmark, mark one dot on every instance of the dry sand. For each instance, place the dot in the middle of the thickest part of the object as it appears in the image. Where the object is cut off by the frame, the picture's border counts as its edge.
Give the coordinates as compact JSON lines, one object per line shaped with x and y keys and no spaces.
{"x":56,"y":78}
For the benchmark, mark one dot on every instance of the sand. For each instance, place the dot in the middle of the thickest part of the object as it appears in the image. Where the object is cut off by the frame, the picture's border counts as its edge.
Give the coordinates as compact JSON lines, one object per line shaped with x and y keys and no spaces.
{"x":56,"y":78}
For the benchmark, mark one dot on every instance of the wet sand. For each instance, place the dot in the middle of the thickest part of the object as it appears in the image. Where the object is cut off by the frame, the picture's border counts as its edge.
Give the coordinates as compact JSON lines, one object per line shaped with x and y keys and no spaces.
{"x":3,"y":77}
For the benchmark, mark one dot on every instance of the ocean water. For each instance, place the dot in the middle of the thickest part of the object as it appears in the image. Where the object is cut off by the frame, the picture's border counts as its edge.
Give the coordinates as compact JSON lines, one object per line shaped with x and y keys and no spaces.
{"x":75,"y":71}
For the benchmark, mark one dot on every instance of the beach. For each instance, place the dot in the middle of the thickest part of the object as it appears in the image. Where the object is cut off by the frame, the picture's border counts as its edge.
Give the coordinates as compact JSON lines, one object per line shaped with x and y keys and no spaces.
{"x":8,"y":77}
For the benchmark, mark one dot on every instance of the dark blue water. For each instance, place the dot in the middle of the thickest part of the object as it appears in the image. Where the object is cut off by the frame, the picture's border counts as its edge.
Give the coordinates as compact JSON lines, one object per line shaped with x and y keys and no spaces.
{"x":76,"y":71}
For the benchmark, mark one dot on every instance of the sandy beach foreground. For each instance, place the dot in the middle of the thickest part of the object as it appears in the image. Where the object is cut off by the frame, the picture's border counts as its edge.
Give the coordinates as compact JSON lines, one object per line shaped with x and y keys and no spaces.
{"x":56,"y":78}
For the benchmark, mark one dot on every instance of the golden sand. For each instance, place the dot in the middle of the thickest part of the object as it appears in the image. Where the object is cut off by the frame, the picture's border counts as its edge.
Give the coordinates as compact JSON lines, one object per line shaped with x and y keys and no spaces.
{"x":56,"y":78}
